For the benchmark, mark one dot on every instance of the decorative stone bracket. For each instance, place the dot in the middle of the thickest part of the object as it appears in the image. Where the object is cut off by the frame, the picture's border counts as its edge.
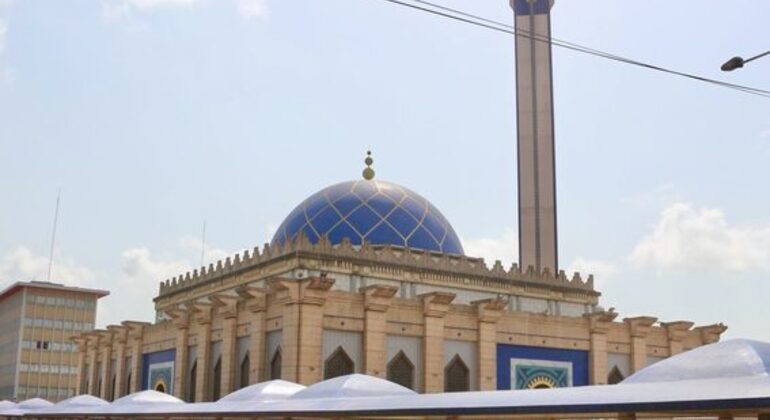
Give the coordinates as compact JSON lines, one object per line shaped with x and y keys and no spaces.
{"x":378,"y":297}
{"x":711,"y":333}
{"x":639,"y":326}
{"x":436,"y":304}
{"x":490,"y":310}
{"x":311,"y":290}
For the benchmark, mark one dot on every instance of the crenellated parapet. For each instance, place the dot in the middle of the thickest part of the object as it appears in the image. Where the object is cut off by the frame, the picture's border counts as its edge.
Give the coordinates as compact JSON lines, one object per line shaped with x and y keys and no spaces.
{"x":432,"y":265}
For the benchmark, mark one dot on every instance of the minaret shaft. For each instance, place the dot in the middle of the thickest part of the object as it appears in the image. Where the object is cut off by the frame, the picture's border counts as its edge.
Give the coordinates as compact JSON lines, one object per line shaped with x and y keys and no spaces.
{"x":535,"y":136}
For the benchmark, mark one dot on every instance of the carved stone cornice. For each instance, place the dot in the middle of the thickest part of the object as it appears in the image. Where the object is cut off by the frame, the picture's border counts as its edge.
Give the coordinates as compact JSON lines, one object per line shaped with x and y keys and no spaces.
{"x":254,"y":297}
{"x":436,"y":304}
{"x":378,"y":297}
{"x":201,"y":312}
{"x":711,"y":333}
{"x":135,"y":328}
{"x":639,"y":326}
{"x":180,"y":316}
{"x":458,"y":269}
{"x":600,"y":322}
{"x":311,"y":291}
{"x":105,"y":338}
{"x":490,"y":310}
{"x":119,"y":333}
{"x":676,"y":330}
{"x":226,"y":305}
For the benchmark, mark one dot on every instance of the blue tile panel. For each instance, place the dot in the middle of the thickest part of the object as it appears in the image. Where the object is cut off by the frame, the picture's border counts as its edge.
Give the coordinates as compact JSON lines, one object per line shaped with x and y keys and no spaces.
{"x":375,"y":211}
{"x":577,"y":358}
{"x":150,"y":359}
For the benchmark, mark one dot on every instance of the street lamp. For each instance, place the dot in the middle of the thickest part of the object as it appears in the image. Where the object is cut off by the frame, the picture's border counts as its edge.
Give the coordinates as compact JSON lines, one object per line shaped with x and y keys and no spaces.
{"x":738,"y":62}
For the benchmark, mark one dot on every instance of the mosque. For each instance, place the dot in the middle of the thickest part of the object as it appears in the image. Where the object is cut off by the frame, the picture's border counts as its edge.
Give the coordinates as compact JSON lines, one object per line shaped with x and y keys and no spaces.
{"x":367,"y":276}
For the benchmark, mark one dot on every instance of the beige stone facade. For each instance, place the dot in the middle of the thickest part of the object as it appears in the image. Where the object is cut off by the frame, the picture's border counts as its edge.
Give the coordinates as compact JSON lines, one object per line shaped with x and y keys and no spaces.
{"x":306,"y":312}
{"x":37,"y":355}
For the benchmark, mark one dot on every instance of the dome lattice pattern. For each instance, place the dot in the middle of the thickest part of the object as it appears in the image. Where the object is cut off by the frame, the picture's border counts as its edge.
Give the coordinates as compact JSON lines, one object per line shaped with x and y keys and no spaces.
{"x":375,"y":211}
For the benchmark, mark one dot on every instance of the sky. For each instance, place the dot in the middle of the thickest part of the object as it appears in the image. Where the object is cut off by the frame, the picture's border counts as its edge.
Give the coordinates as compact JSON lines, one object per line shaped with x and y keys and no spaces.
{"x":151,"y":116}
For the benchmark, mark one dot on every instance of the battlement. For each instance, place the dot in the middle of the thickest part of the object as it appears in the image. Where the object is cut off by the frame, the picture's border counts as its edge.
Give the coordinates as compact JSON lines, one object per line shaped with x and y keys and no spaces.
{"x":381,"y":254}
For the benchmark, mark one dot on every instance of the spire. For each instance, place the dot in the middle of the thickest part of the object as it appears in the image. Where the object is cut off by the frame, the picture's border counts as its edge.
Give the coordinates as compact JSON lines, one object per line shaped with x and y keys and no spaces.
{"x":368,"y":171}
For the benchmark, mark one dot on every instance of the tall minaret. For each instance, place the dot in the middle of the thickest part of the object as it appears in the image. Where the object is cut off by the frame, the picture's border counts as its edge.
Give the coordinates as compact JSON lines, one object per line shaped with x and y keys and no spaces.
{"x":535,"y":135}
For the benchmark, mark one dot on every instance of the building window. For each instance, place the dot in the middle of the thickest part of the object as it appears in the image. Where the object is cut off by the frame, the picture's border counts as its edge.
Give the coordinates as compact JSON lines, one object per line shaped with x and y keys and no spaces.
{"x":338,"y":364}
{"x":615,"y":376}
{"x":128,"y":383}
{"x":217,"y":380}
{"x":456,"y":376}
{"x":245,"y":366}
{"x":275,"y":364}
{"x":193,"y":382}
{"x":401,"y":370}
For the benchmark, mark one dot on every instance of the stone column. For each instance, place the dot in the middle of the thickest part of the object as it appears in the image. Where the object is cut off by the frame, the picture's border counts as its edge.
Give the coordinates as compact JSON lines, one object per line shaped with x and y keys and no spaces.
{"x":136,"y":337}
{"x":93,"y":350}
{"x":638,"y":327}
{"x":488,"y":312}
{"x":181,"y":320}
{"x":227,"y":307}
{"x":202,"y":315}
{"x":302,"y":327}
{"x":435,"y":307}
{"x":82,"y":344}
{"x":120,"y":335}
{"x":598,"y":326}
{"x":676,"y":331}
{"x":106,"y":392}
{"x":256,"y":302}
{"x":377,"y":300}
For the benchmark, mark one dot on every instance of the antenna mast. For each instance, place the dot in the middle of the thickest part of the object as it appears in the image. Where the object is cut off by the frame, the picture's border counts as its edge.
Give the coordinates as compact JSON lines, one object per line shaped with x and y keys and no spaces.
{"x":53,"y":234}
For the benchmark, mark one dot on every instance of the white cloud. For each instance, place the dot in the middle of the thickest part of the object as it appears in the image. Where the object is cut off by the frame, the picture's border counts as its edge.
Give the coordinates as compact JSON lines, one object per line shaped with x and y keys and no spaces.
{"x":661,"y":195}
{"x":504,"y":247}
{"x":701,"y":240}
{"x":251,"y":9}
{"x":115,"y":9}
{"x":22,"y":264}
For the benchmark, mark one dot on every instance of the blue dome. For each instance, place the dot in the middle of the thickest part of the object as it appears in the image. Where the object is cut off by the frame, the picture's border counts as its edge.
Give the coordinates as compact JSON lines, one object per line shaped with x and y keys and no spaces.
{"x":375,"y":211}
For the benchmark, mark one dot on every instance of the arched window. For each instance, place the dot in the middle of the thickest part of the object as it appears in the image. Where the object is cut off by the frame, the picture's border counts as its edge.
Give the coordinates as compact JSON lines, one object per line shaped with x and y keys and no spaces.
{"x":217,"y":380}
{"x":401,"y":370}
{"x":275,"y":364}
{"x":456,"y":376}
{"x":245,"y":366}
{"x":338,"y":364}
{"x":160,"y":388}
{"x":191,"y":388}
{"x":615,"y":376}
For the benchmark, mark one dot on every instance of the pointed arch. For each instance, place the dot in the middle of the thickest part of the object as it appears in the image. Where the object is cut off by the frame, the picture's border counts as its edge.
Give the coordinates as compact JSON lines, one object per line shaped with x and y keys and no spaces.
{"x":275,"y":364}
{"x":615,"y":376}
{"x":338,"y":364}
{"x":216,"y":380}
{"x":244,"y":372}
{"x":400,"y":370}
{"x":457,"y":375}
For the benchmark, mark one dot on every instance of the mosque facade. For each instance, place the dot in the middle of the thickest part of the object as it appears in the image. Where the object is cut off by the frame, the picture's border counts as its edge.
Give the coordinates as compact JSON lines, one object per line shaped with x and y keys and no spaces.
{"x":367,"y":276}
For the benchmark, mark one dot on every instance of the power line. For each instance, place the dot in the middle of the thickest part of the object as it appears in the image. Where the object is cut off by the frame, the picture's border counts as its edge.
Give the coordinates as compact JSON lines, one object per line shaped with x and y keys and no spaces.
{"x":469,"y":18}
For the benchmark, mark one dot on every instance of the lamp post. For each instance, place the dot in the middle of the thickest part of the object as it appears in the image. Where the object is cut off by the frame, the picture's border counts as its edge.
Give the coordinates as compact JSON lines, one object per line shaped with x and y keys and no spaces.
{"x":738,"y":62}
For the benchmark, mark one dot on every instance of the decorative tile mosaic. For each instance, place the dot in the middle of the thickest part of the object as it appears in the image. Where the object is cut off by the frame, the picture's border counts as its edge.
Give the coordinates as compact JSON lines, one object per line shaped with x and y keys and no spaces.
{"x":375,"y":211}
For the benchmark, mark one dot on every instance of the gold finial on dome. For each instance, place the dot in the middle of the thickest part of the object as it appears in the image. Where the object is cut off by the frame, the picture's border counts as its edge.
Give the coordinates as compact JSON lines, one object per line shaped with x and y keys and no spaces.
{"x":368,"y":171}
